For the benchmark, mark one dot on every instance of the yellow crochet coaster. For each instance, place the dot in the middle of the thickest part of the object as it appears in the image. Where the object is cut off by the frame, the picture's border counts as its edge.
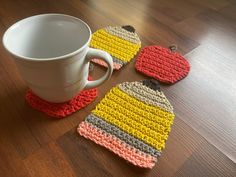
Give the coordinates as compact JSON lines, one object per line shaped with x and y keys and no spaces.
{"x":122,"y":43}
{"x":133,"y":120}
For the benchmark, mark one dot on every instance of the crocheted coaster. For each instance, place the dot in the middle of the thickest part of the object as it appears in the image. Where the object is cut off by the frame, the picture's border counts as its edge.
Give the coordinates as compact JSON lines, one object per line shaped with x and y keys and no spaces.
{"x":122,"y":43}
{"x":163,"y":64}
{"x":60,"y":110}
{"x":133,"y":120}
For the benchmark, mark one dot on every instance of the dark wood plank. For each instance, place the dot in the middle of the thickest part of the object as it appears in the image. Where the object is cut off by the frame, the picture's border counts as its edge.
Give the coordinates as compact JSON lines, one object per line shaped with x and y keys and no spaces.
{"x":203,"y":139}
{"x":229,"y":11}
{"x":152,"y":30}
{"x":211,"y":28}
{"x":12,"y":124}
{"x":49,"y":161}
{"x":206,"y":163}
{"x":212,"y":4}
{"x":10,"y":162}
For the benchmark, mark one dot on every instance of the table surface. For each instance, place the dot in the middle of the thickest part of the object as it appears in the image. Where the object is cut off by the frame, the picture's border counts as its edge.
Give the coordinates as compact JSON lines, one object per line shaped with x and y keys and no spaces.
{"x":203,"y":137}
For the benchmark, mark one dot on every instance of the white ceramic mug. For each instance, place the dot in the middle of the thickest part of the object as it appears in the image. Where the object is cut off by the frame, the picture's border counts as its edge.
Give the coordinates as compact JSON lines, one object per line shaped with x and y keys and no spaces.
{"x":52,"y":53}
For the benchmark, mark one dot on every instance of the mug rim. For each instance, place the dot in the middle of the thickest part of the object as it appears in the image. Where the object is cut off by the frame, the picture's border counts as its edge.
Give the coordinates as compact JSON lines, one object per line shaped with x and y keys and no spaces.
{"x":49,"y":58}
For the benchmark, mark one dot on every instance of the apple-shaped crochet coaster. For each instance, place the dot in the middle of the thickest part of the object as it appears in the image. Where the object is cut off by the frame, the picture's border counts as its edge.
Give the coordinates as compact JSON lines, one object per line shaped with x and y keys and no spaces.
{"x":163,"y":64}
{"x":133,"y":120}
{"x":60,"y":110}
{"x":122,"y":43}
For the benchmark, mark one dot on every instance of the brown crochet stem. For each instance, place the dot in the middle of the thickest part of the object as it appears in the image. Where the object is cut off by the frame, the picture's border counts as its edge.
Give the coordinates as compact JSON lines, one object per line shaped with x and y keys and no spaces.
{"x":129,"y":28}
{"x":173,"y":47}
{"x":152,"y":84}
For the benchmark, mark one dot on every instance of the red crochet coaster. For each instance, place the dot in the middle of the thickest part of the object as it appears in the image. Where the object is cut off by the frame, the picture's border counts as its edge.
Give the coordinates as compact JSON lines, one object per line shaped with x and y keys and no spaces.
{"x":60,"y":110}
{"x":162,"y":64}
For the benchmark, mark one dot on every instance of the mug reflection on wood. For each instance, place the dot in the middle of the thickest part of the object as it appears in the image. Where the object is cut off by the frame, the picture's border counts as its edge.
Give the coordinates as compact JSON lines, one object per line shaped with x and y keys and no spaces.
{"x":52,"y":54}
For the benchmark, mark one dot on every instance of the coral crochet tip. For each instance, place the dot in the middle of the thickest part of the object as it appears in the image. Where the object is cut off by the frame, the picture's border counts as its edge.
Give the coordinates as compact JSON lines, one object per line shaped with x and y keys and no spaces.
{"x":162,"y":64}
{"x":120,"y":148}
{"x":61,"y":110}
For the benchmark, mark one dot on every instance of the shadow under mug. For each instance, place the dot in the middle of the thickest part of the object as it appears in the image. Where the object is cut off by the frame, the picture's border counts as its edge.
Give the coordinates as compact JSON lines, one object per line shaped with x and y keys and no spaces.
{"x":52,"y":54}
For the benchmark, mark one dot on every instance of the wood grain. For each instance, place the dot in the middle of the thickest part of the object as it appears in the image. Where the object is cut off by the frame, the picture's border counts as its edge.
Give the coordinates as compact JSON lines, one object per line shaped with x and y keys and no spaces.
{"x":49,"y":161}
{"x":206,"y":163}
{"x":203,"y":138}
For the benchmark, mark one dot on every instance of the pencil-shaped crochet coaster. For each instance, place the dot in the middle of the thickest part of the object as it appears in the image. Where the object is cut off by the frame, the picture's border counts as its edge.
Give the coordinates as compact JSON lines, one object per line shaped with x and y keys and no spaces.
{"x":162,"y":64}
{"x":133,"y":120}
{"x":122,"y":43}
{"x":61,"y":110}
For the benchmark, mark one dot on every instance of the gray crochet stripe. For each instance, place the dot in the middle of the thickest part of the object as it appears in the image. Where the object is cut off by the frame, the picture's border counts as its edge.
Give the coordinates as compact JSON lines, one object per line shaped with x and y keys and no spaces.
{"x":116,"y":60}
{"x":102,"y":124}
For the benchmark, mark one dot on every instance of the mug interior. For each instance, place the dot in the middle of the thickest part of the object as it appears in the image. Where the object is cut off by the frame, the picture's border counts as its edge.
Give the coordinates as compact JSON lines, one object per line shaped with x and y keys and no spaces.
{"x":46,"y":36}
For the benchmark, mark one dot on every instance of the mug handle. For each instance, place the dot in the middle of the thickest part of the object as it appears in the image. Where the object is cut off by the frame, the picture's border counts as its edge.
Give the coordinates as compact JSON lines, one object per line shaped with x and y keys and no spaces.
{"x":96,"y":53}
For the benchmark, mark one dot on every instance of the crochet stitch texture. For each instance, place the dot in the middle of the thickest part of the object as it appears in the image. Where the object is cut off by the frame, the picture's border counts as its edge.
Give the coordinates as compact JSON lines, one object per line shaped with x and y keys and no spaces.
{"x":133,"y":120}
{"x":120,"y":43}
{"x":162,"y":64}
{"x":60,"y":110}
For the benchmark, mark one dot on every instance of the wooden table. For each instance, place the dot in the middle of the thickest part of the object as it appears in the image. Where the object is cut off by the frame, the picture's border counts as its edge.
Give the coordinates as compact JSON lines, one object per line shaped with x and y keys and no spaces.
{"x":202,"y":142}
